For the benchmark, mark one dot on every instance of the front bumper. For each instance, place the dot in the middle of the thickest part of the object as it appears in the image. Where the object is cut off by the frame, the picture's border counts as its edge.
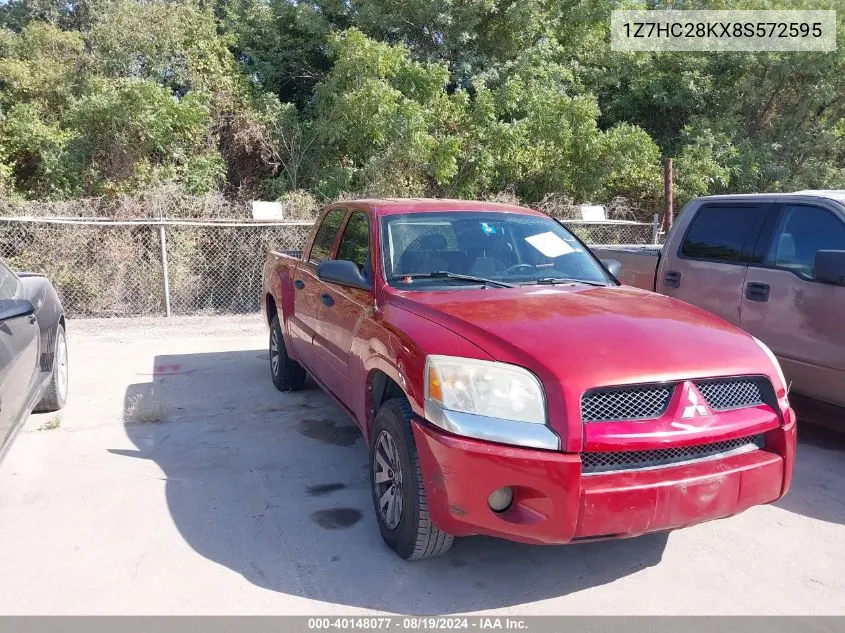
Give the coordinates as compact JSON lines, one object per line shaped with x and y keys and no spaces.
{"x":555,"y":503}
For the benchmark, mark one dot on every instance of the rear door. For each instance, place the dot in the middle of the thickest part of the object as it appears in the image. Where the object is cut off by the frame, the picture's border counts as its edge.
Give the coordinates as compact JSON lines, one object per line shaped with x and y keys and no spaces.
{"x":708,"y":269}
{"x":18,"y":359}
{"x":343,"y":309}
{"x":303,"y":323}
{"x":799,"y":318}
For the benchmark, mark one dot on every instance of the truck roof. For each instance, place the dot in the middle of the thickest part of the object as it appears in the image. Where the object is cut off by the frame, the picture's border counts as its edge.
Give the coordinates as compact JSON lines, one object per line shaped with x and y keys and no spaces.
{"x":393,"y":206}
{"x":837,"y":195}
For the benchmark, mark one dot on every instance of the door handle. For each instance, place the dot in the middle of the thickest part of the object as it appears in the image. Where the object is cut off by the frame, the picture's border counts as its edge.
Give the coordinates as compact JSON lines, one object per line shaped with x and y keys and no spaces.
{"x":755,"y":291}
{"x":299,"y":284}
{"x":327,"y":299}
{"x":672,"y":279}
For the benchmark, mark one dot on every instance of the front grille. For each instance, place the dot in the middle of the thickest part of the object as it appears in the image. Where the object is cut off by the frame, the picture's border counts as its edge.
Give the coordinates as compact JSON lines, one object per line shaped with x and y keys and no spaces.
{"x":592,"y":463}
{"x":730,"y":393}
{"x":643,"y":402}
{"x":649,"y":402}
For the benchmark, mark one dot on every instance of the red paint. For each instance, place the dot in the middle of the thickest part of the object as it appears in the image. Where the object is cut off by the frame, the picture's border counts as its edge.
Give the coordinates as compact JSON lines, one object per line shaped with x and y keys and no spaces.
{"x":573,"y":338}
{"x":554,"y":503}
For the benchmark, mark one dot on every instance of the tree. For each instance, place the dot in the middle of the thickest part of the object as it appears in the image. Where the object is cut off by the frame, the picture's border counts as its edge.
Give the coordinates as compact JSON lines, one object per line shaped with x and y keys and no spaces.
{"x":419,"y":97}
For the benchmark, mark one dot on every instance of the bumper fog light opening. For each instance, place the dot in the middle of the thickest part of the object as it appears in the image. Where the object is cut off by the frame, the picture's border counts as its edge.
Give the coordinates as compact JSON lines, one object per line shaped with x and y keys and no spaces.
{"x":500,"y":499}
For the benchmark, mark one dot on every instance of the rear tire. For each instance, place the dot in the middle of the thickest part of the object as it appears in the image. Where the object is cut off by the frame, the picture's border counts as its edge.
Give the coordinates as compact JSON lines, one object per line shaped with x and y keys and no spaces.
{"x":397,"y":487}
{"x":287,"y":374}
{"x":55,"y":396}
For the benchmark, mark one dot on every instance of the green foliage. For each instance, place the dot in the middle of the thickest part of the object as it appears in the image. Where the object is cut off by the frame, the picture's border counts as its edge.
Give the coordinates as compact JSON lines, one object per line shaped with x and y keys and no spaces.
{"x":274,"y":98}
{"x":705,"y":163}
{"x":379,"y":112}
{"x":130,"y":132}
{"x":174,"y":44}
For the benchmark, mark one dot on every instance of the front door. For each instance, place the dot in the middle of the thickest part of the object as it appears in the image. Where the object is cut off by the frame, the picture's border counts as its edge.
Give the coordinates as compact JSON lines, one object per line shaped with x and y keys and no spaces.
{"x":19,"y":366}
{"x":709,"y":268}
{"x":799,"y":318}
{"x":303,"y":322}
{"x":344,"y":309}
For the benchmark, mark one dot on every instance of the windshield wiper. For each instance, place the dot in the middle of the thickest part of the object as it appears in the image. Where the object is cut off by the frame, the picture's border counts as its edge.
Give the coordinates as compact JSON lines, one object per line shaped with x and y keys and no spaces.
{"x":445,"y":274}
{"x":551,"y":281}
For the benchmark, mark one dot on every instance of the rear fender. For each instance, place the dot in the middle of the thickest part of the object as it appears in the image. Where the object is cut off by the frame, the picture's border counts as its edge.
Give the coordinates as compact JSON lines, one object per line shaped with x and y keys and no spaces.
{"x":48,"y":312}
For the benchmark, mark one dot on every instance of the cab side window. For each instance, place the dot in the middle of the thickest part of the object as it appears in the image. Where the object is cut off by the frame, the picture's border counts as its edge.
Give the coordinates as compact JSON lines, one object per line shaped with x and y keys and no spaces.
{"x":355,"y":243}
{"x":802,"y":232}
{"x":720,"y":233}
{"x":322,"y":247}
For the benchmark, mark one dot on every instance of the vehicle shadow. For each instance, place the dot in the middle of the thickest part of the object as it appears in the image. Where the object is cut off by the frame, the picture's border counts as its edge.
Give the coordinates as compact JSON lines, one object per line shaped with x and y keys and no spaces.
{"x":818,"y":484}
{"x":274,"y":486}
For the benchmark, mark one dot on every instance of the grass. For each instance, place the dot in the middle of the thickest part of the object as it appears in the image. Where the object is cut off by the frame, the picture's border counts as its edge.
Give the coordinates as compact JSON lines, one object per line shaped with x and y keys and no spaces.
{"x":53,"y":423}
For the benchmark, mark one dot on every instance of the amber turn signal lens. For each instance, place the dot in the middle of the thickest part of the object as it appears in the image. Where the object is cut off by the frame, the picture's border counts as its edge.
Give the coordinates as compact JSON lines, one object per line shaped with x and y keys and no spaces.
{"x":435,"y":391}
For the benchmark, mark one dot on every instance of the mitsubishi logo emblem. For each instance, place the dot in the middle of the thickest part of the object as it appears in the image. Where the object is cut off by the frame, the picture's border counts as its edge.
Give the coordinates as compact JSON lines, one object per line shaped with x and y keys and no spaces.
{"x":694,"y":408}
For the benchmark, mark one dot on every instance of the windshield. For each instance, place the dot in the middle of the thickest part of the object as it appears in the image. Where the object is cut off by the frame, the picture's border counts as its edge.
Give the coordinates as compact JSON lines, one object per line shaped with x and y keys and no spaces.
{"x":504,"y":247}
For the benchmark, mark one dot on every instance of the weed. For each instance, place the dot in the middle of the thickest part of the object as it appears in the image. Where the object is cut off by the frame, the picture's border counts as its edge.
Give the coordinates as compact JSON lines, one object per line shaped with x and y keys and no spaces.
{"x":53,"y":423}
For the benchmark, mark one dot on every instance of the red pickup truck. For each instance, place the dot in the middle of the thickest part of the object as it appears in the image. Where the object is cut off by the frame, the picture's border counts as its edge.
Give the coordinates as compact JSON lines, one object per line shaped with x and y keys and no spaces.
{"x":506,"y":383}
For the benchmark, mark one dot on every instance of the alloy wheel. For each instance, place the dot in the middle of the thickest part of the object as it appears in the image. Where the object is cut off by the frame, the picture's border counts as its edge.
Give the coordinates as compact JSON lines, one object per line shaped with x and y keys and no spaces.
{"x":387,"y":479}
{"x":275,"y":355}
{"x":61,"y":366}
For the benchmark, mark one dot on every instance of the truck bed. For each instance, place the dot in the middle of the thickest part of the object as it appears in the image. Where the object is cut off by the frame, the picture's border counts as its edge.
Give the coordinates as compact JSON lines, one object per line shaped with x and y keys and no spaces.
{"x":639,"y":262}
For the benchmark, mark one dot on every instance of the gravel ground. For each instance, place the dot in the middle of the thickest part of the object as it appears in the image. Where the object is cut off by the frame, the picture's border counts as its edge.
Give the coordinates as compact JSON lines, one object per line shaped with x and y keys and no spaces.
{"x":177,"y":480}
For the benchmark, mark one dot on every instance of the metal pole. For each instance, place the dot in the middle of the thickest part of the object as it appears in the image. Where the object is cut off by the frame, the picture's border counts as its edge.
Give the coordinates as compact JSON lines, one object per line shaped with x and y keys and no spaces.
{"x":668,"y":195}
{"x":164,"y":268}
{"x":655,"y":229}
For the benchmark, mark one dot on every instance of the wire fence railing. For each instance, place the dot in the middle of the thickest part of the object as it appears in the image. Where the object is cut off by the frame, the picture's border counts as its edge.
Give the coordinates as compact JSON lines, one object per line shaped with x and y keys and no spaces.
{"x":106,"y":268}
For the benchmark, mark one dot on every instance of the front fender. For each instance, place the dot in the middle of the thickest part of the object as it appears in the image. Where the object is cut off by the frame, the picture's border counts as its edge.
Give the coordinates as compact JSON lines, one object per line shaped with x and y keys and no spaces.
{"x":413,"y":337}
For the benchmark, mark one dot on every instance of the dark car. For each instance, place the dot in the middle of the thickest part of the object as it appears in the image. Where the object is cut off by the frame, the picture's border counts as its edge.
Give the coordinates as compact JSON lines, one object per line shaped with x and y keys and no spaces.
{"x":33,"y":351}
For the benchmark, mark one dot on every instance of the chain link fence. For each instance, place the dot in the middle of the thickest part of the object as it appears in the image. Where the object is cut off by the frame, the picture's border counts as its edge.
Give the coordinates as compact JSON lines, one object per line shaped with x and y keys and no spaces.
{"x":606,"y":232}
{"x":104,"y":268}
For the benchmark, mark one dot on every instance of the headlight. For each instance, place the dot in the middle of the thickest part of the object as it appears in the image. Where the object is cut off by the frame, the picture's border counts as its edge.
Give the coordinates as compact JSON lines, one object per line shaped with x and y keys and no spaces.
{"x":492,"y":389}
{"x":775,"y":362}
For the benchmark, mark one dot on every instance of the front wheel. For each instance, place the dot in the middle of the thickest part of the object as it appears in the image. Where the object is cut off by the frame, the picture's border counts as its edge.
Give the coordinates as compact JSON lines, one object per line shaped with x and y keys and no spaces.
{"x":397,"y":487}
{"x":55,"y":396}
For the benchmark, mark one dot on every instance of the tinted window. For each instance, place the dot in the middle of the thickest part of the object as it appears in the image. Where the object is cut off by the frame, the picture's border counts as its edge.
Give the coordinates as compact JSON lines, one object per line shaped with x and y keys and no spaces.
{"x":8,"y":283}
{"x":719,"y":233}
{"x":355,"y":243}
{"x":802,"y":232}
{"x":322,"y":247}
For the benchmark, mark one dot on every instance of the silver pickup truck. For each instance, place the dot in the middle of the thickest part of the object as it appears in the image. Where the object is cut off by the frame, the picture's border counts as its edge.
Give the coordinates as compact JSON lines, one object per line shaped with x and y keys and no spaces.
{"x":773,"y":264}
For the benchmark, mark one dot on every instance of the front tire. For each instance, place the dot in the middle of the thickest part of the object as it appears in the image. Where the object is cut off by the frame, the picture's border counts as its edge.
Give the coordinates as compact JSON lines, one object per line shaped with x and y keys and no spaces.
{"x":397,"y":487}
{"x":55,"y":396}
{"x":287,"y":374}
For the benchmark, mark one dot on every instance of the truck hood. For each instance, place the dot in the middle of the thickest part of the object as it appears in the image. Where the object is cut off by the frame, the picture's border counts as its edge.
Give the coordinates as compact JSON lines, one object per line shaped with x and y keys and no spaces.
{"x":602,"y":336}
{"x":575,"y":338}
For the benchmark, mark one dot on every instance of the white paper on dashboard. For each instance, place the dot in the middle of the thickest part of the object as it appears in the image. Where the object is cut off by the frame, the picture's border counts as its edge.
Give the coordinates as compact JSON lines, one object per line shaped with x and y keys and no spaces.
{"x":549,"y":244}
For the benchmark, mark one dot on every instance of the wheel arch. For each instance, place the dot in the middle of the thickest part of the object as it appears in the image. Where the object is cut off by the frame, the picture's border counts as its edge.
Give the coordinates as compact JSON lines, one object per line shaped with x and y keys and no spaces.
{"x":270,"y":309}
{"x":384,"y":382}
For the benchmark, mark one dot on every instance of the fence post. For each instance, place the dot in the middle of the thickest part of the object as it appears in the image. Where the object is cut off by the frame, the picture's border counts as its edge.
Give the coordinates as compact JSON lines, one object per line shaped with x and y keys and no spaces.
{"x":164,"y":269}
{"x":668,"y":194}
{"x":655,"y":229}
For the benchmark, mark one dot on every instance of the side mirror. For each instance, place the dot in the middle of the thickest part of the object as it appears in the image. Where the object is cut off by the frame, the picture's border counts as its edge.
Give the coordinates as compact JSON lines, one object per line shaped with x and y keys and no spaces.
{"x":15,"y":308}
{"x":343,"y":272}
{"x":829,"y":267}
{"x":613,"y":266}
